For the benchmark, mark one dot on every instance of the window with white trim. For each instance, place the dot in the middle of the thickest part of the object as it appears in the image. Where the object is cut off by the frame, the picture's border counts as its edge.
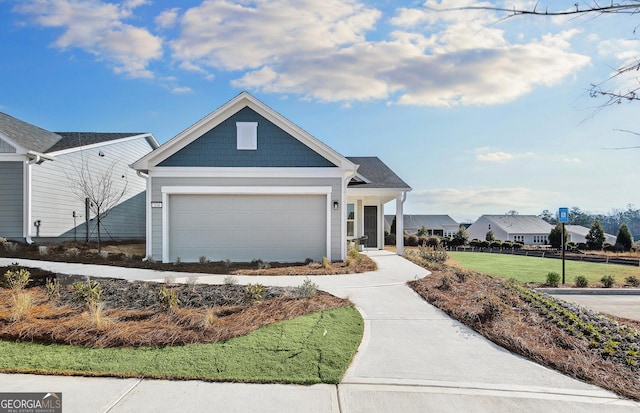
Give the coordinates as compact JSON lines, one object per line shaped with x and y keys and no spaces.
{"x":247,"y":136}
{"x":351,"y":220}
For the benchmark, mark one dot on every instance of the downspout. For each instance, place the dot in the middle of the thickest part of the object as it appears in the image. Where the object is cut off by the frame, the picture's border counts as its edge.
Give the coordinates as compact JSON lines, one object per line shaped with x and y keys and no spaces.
{"x":147,"y":208}
{"x":27,"y":200}
{"x":400,"y":223}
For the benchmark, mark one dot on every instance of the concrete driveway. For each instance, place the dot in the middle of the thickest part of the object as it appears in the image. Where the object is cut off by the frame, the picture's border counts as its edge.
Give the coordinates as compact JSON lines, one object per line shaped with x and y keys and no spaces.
{"x":413,"y":358}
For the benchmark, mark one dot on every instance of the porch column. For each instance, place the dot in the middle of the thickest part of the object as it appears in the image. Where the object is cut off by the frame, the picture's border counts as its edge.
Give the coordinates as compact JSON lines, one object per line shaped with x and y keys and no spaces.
{"x":400,"y":223}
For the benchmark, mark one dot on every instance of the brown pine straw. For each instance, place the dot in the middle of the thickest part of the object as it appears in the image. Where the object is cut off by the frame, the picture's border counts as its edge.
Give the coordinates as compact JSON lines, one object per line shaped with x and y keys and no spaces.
{"x":48,"y":323}
{"x":484,"y":304}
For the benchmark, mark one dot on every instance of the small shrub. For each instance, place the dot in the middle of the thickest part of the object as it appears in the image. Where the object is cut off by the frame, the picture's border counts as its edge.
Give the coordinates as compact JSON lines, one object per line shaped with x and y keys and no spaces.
{"x":607,"y":281}
{"x":21,"y":305}
{"x":10,"y":246}
{"x":16,"y":278}
{"x":230,"y":280}
{"x":73,"y":252}
{"x":632,"y":281}
{"x":227,"y":263}
{"x":254,"y":292}
{"x":461,"y":276}
{"x":104,"y":254}
{"x":87,"y":292}
{"x":264,"y":266}
{"x":495,"y":244}
{"x":203,"y":260}
{"x":507,"y":245}
{"x":178,"y":261}
{"x":308,"y":261}
{"x":52,"y":286}
{"x":553,"y":279}
{"x":581,"y":281}
{"x":307,"y":289}
{"x":433,"y":255}
{"x":325,"y":263}
{"x":168,"y":298}
{"x":434,"y":241}
{"x":411,"y":241}
{"x":43,"y":250}
{"x":445,"y":284}
{"x":128,"y":256}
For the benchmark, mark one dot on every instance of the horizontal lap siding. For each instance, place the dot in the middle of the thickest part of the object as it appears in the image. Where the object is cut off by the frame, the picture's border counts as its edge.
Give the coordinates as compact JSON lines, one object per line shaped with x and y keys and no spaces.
{"x":54,"y":201}
{"x":11,"y":199}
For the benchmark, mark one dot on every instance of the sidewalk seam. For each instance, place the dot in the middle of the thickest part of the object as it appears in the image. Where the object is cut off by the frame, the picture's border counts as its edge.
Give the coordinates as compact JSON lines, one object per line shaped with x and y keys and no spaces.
{"x":119,"y":399}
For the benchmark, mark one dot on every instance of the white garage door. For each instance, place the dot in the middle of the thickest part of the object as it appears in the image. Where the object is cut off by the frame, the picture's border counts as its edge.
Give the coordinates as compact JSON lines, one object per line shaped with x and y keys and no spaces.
{"x":284,"y":228}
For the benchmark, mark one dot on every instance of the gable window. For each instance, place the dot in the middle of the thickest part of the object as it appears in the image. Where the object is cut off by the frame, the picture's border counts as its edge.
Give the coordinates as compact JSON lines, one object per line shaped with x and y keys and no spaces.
{"x":351,"y":220}
{"x":247,"y":136}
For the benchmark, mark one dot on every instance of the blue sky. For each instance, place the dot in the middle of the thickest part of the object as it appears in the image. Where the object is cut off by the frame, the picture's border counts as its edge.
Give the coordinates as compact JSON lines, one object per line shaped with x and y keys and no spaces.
{"x":479,"y":114}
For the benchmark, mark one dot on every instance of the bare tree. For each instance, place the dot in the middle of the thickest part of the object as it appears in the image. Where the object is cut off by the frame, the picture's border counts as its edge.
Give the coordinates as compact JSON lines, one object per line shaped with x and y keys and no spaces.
{"x":98,"y":186}
{"x":600,"y":89}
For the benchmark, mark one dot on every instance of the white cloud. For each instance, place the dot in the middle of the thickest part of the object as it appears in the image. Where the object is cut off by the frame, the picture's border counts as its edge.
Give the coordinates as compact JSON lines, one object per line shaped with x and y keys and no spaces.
{"x":495,"y":157}
{"x":319,"y":50}
{"x":477,"y":201}
{"x":98,"y":28}
{"x":181,"y":90}
{"x":484,"y":155}
{"x":167,"y":18}
{"x":570,"y":160}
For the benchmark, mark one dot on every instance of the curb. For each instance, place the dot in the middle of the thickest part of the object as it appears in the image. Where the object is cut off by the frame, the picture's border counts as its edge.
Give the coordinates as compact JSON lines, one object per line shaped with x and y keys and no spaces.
{"x":590,"y":291}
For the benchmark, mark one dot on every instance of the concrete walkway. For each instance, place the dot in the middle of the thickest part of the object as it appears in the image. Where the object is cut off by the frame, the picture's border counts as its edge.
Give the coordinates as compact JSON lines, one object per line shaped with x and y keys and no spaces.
{"x":413,"y":358}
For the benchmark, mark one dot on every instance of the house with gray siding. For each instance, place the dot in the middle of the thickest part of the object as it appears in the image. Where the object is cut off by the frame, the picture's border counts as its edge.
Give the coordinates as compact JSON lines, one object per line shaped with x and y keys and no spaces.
{"x":527,"y":229}
{"x":439,"y":225}
{"x":246,"y":183}
{"x":38,"y":169}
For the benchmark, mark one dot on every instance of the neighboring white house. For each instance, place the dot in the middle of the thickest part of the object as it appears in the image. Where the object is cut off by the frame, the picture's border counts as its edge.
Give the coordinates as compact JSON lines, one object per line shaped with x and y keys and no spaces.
{"x":528,"y":229}
{"x":440,"y":225}
{"x":38,"y":167}
{"x":246,"y":183}
{"x":578,"y":234}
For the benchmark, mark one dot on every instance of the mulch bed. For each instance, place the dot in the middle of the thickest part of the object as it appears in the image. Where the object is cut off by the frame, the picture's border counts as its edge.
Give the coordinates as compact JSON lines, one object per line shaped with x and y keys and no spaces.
{"x":484,"y":303}
{"x":132,"y":316}
{"x":87,"y":254}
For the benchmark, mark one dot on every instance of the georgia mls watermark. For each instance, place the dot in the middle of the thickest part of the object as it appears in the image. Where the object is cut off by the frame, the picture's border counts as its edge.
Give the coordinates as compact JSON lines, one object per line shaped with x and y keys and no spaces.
{"x":30,"y":402}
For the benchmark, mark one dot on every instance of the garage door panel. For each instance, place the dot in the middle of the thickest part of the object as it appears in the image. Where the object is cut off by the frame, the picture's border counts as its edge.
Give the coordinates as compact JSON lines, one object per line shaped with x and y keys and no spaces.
{"x":245,"y":227}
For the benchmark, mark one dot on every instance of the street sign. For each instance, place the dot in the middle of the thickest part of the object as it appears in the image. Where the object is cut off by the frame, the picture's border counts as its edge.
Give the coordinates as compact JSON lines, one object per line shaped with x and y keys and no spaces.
{"x":563,"y":215}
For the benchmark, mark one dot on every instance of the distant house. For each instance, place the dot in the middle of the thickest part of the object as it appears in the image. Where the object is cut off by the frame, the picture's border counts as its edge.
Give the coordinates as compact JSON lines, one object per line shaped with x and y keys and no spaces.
{"x":246,"y":183}
{"x":440,"y":225}
{"x":38,"y":167}
{"x":578,"y":234}
{"x":528,"y":229}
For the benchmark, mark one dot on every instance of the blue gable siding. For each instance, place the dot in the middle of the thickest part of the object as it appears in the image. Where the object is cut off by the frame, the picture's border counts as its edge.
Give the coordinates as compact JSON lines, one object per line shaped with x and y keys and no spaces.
{"x":217,"y":147}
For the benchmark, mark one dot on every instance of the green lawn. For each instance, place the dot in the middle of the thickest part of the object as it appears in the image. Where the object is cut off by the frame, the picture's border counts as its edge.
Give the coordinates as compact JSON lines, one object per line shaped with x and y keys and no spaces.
{"x":531,"y":269}
{"x":315,"y":348}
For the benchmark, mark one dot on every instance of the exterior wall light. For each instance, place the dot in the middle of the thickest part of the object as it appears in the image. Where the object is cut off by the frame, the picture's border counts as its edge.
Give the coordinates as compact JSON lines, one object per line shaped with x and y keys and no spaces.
{"x":336,"y":205}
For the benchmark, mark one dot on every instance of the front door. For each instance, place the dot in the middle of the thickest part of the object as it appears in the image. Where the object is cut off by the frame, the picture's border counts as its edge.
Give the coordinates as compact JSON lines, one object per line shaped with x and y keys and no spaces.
{"x":371,"y":226}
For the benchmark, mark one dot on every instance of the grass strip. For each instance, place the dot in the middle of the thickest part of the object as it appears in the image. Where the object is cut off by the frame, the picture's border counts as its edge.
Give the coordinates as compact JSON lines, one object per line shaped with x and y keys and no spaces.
{"x":315,"y":348}
{"x":535,"y":269}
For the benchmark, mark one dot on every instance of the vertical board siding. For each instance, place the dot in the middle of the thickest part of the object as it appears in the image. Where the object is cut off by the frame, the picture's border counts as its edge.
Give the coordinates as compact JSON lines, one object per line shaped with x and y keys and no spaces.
{"x":54,"y":201}
{"x":334,"y":183}
{"x":11,"y":199}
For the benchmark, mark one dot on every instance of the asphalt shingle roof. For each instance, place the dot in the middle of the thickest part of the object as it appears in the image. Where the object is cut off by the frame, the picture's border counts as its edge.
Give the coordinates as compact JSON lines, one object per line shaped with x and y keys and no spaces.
{"x":76,"y":139}
{"x":27,"y":135}
{"x":377,"y":173}
{"x":520,"y":224}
